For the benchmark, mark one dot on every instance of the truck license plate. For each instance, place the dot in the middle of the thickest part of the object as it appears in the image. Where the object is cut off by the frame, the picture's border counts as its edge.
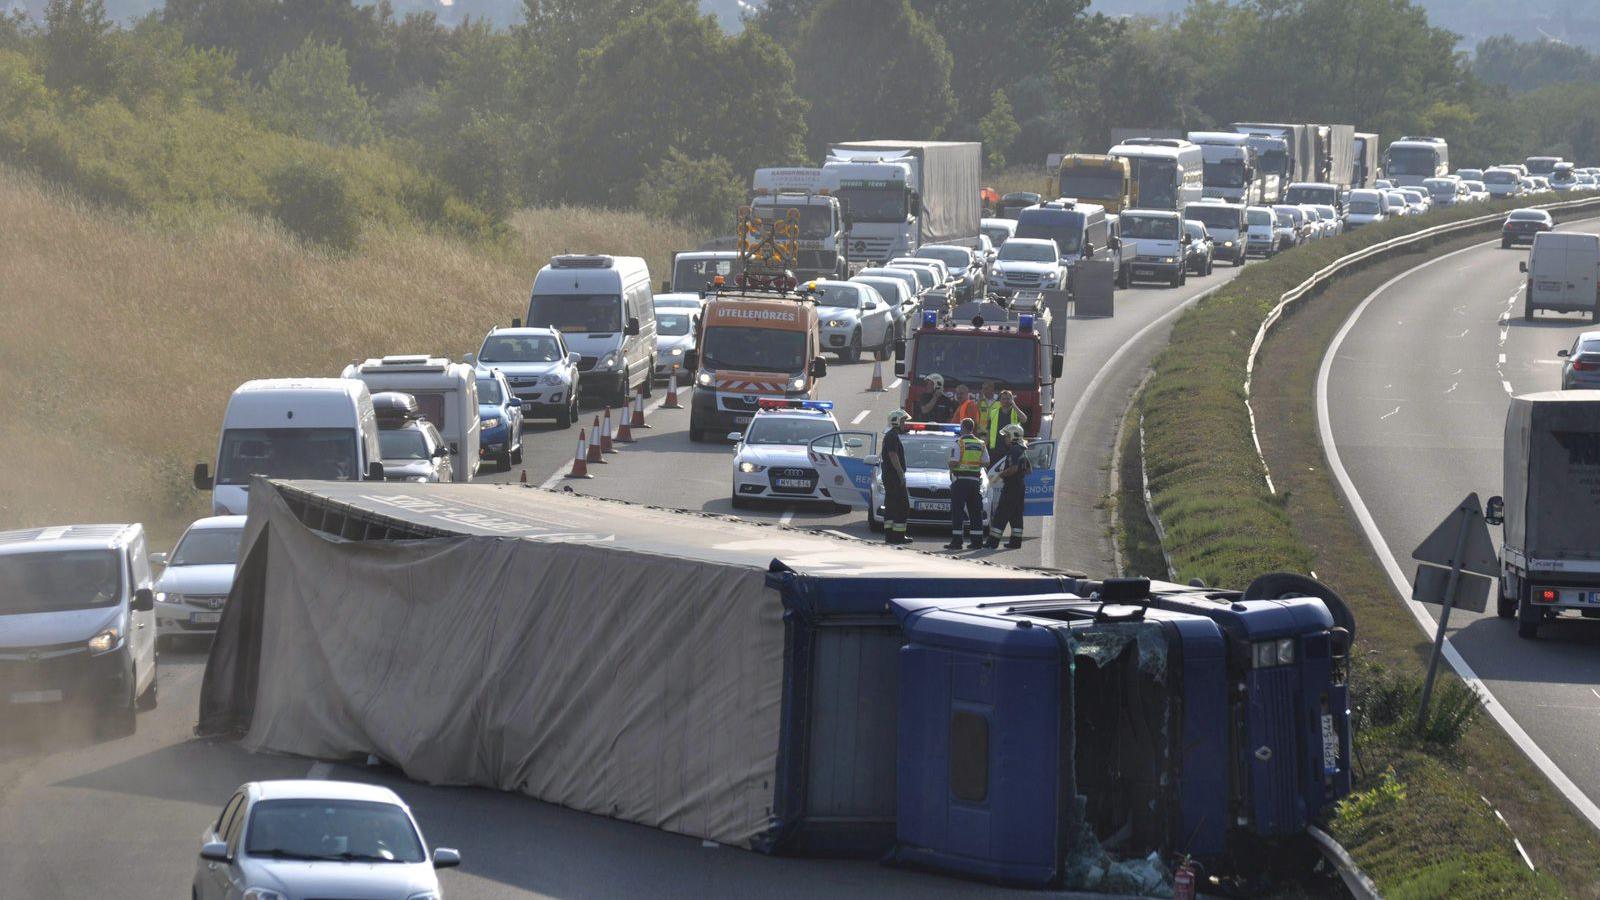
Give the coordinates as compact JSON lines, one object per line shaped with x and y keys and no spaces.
{"x":793,"y":483}
{"x":205,"y":618}
{"x":1138,"y":271}
{"x":1330,"y":743}
{"x":36,"y":697}
{"x":933,"y":506}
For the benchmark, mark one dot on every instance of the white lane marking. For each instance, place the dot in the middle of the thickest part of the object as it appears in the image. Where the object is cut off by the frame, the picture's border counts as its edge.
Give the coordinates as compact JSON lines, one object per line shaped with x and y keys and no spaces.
{"x":319,"y":771}
{"x":893,"y":384}
{"x":859,"y":416}
{"x":1389,"y":413}
{"x":1456,"y":372}
{"x":1463,"y":332}
{"x":787,"y":517}
{"x":1541,"y":760}
{"x":844,"y":534}
{"x":1507,"y":386}
{"x":1518,"y":842}
{"x":1502,"y":359}
{"x":1047,"y":531}
{"x":560,"y":473}
{"x":1452,"y":388}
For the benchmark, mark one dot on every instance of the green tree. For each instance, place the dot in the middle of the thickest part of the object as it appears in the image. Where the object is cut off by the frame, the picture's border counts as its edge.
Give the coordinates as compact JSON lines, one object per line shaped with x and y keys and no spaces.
{"x":672,"y":78}
{"x":873,"y":68}
{"x":782,"y":20}
{"x":1523,"y":66}
{"x":79,"y":55}
{"x":309,"y":94}
{"x":999,"y":129}
{"x":701,"y":192}
{"x":315,"y":204}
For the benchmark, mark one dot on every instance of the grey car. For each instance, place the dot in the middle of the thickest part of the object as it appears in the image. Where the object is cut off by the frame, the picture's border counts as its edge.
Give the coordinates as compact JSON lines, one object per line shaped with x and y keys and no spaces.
{"x":1200,"y":255}
{"x":1580,"y":367}
{"x":289,"y":840}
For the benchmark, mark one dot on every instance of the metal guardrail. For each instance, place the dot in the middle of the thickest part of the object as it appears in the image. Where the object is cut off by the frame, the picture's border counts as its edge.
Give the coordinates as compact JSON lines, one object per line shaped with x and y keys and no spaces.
{"x":1322,"y":276}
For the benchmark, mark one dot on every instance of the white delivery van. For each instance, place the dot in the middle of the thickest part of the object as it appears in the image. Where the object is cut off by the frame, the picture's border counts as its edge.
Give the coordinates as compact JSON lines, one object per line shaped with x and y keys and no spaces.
{"x":447,"y":395}
{"x":1563,"y":268}
{"x":322,"y":428}
{"x":604,"y":309}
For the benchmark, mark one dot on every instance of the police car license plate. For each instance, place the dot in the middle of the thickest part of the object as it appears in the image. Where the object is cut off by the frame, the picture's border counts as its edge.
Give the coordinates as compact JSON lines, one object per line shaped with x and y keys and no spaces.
{"x":205,"y":618}
{"x":793,"y":483}
{"x":933,"y":506}
{"x":20,"y":697}
{"x":1330,"y":743}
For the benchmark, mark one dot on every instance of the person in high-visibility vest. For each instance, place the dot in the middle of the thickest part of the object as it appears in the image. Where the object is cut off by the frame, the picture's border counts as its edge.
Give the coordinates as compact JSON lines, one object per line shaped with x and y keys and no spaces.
{"x":966,"y":405}
{"x":968,"y":458}
{"x":1007,"y":413}
{"x":988,"y":402}
{"x":896,"y":497}
{"x":1012,"y":468}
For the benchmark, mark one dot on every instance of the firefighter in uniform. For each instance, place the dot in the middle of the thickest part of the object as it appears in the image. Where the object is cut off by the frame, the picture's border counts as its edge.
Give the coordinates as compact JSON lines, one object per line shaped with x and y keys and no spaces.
{"x":1013,"y":469}
{"x":896,"y":501}
{"x":968,"y":458}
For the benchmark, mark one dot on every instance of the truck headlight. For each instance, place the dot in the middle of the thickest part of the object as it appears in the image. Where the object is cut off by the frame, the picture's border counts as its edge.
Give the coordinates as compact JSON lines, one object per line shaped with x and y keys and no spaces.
{"x":677,"y":351}
{"x":797,"y":383}
{"x":1264,"y":654}
{"x":106,"y":641}
{"x":705,"y":379}
{"x":1168,"y":259}
{"x":489,"y":423}
{"x":750,"y":468}
{"x":610,"y":360}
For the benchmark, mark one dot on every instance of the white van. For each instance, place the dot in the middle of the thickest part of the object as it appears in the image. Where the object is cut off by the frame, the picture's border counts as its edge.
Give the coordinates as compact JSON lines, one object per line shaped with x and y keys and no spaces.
{"x":604,"y":309}
{"x":1563,"y":270}
{"x":321,"y":428}
{"x":447,"y":395}
{"x":77,"y":622}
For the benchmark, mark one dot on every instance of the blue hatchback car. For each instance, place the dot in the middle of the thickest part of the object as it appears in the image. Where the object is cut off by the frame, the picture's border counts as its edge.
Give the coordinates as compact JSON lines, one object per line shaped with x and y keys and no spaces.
{"x":500,"y":437}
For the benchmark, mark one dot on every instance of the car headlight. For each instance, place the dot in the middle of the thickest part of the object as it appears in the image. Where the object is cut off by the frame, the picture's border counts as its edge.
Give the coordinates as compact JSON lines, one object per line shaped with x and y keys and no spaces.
{"x":835,"y":323}
{"x":610,"y":360}
{"x":489,"y":423}
{"x":171,"y":598}
{"x":1048,"y":278}
{"x":553,"y":380}
{"x":1168,"y":259}
{"x":677,"y":351}
{"x":705,"y":379}
{"x":264,"y":894}
{"x":750,"y":468}
{"x":1227,"y":243}
{"x":106,"y":641}
{"x":419,"y":479}
{"x":797,"y":383}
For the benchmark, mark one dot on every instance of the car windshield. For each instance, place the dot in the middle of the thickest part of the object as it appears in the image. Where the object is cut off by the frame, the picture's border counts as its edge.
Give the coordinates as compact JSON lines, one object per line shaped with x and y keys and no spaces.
{"x":327,"y":454}
{"x":816,"y":221}
{"x":488,"y":392}
{"x":343,"y":830}
{"x":1440,"y":187}
{"x":1150,"y":227}
{"x":672,"y":324}
{"x":520,"y":348}
{"x":909,"y":279}
{"x":1499,"y":176}
{"x":884,"y":203}
{"x":1327,"y":212}
{"x":788,"y":431}
{"x":1195,"y":230}
{"x":972,"y":359}
{"x":1412,"y":161}
{"x":1224,"y":173}
{"x":1365,"y":207}
{"x":998,"y":235}
{"x":1528,"y":215}
{"x":1397,"y":197}
{"x":1258,"y":216}
{"x":928,"y":453}
{"x":923,"y":274}
{"x":573,"y":313}
{"x":745,"y":349}
{"x":694,"y":275}
{"x":1065,"y":229}
{"x":1213,"y":216}
{"x":207,"y":547}
{"x":402,"y":443}
{"x":837,"y":295}
{"x":954,"y":258}
{"x":50,"y":581}
{"x":890,"y":289}
{"x":1028,"y":251}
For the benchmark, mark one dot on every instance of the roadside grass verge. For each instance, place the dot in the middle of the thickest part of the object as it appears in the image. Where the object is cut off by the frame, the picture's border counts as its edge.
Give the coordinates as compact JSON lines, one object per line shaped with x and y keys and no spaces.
{"x":121,"y":336}
{"x":1137,"y":542}
{"x":1442,"y":837}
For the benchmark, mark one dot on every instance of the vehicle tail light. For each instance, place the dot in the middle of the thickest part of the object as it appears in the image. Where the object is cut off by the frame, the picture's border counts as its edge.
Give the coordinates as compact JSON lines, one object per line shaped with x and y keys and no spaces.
{"x":1579,"y":365}
{"x":1547,"y":596}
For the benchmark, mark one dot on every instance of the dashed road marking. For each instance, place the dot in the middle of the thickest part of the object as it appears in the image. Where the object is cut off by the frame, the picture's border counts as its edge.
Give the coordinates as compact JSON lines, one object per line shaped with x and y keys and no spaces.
{"x":893,"y":384}
{"x":859,"y":416}
{"x":1452,"y":388}
{"x":787,"y":517}
{"x":1389,"y":413}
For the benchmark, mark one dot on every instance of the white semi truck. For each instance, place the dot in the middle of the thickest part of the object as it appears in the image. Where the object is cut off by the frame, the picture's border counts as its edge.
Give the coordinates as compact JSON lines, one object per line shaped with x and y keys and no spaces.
{"x":903,"y":194}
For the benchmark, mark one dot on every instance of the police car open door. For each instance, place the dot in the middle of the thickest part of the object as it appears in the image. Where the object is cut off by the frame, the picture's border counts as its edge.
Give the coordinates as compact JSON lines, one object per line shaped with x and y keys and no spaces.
{"x":842,"y":466}
{"x":1039,"y":487}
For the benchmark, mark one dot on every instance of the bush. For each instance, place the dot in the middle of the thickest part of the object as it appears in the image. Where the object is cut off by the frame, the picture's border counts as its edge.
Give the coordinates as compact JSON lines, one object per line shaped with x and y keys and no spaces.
{"x":315,"y":205}
{"x":702,"y":193}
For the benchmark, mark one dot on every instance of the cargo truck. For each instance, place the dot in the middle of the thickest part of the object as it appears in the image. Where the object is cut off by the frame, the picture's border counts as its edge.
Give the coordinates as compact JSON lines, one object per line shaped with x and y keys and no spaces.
{"x":1298,"y":162}
{"x":823,"y":251}
{"x":1230,"y":167}
{"x":1093,"y":178}
{"x":1366,"y":160}
{"x":903,"y":194}
{"x":1550,"y":548}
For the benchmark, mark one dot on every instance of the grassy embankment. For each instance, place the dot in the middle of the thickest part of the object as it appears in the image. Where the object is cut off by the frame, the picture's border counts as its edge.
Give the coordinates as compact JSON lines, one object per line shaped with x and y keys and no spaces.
{"x":122,"y":335}
{"x":1419,"y":823}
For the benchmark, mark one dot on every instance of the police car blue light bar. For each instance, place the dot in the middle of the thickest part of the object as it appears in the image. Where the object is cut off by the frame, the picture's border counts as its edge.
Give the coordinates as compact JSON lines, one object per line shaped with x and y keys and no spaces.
{"x":1025,"y":324}
{"x":813,"y":405}
{"x":930,"y":318}
{"x":933,"y":426}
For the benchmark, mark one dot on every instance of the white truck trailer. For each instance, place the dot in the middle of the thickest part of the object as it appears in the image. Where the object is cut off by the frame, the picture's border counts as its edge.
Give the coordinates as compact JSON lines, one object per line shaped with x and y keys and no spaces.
{"x":903,"y":194}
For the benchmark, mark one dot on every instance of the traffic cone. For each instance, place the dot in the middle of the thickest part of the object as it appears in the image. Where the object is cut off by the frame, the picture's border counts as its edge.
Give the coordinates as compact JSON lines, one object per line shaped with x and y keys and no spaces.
{"x":877,"y":377}
{"x":624,"y":429}
{"x":580,"y":465}
{"x":638,"y":411}
{"x":605,"y":433}
{"x":672,"y":393}
{"x":592,"y":448}
{"x":524,"y":478}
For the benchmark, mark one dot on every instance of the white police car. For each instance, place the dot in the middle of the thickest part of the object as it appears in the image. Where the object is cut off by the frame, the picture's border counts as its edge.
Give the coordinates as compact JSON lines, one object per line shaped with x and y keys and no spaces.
{"x":774,"y":457}
{"x":927,"y":447}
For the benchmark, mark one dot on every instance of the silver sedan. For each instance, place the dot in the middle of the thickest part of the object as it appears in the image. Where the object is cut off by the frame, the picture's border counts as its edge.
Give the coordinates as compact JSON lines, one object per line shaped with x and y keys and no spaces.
{"x":1580,"y":364}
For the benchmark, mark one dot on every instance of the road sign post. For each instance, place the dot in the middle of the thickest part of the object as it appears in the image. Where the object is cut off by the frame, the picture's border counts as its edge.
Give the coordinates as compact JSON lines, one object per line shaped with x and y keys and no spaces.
{"x":1462,"y":543}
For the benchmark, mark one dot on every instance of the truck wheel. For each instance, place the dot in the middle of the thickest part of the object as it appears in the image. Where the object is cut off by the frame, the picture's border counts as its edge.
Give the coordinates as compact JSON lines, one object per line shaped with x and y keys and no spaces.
{"x":1527,"y":304}
{"x":1528,"y":616}
{"x":1594,"y":314}
{"x":1122,"y":277}
{"x":1505,"y":607}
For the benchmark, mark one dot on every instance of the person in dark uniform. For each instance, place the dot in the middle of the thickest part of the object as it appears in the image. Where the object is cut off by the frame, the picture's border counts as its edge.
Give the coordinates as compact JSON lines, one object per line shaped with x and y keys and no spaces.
{"x":968,"y":458}
{"x":935,"y":405}
{"x":896,"y":501}
{"x":1012,"y":468}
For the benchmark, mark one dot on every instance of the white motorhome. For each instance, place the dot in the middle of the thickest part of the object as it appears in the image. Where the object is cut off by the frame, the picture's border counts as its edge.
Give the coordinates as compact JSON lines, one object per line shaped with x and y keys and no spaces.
{"x":1562,"y":270}
{"x":1229,"y":171}
{"x":605,"y":311}
{"x":1167,"y":173}
{"x":811,"y":194}
{"x":319,"y":428}
{"x":1412,"y":160}
{"x":446,"y":393}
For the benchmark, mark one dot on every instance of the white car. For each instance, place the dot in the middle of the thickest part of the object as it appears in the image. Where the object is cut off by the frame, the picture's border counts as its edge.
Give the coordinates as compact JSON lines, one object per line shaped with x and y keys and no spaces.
{"x":541,"y":370}
{"x":998,"y":230}
{"x":901,"y":297}
{"x":772,"y":457}
{"x":1028,"y":264}
{"x":1418,"y":200}
{"x":942,"y":276}
{"x":1477,"y":192}
{"x":677,"y":329}
{"x":287,"y":840}
{"x":913,"y":280}
{"x":927,"y":446}
{"x":192,"y":589}
{"x":1365,"y":207}
{"x":1398,"y":206}
{"x":1331,"y":223}
{"x":852,"y":317}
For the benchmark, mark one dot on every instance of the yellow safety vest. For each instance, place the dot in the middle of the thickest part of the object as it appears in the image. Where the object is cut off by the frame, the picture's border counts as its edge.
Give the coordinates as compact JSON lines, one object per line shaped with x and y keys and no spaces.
{"x":1015,"y":414}
{"x":970,"y":462}
{"x":986,"y":411}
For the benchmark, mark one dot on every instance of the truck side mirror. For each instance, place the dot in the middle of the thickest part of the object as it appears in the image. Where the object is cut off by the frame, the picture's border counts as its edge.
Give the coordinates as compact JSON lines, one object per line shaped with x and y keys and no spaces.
{"x":666,"y":286}
{"x":1523,"y":267}
{"x":202,"y":477}
{"x":1056,"y":362}
{"x":632,"y":328}
{"x":144,"y":600}
{"x":916,"y":203}
{"x":1494,"y":512}
{"x":819,"y":367}
{"x":516,"y":323}
{"x":900,"y":350}
{"x":374,"y":471}
{"x":899,"y":368}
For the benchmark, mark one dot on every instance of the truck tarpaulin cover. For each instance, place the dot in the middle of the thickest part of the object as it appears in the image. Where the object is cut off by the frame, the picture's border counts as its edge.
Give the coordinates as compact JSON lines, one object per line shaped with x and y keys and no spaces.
{"x":614,"y":659}
{"x":1552,"y":475}
{"x":950,"y":178}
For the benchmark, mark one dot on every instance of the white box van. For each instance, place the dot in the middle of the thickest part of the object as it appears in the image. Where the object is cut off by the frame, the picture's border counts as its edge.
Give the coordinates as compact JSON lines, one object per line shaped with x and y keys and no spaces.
{"x":1563,"y":269}
{"x":321,"y":428}
{"x":78,"y":622}
{"x":447,"y":395}
{"x":605,"y":311}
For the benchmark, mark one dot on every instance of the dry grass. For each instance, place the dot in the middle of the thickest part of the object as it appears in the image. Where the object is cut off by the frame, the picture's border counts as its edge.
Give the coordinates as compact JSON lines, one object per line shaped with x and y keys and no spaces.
{"x":1018,"y":178}
{"x":120,"y":341}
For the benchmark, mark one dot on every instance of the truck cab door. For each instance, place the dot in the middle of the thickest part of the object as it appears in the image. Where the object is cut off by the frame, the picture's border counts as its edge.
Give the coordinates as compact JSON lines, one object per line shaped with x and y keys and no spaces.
{"x":1039,"y":485}
{"x":844,"y":461}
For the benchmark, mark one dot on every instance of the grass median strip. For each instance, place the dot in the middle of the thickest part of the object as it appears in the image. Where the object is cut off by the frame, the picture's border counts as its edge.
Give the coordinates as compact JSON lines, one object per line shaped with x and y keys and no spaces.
{"x":1423,"y":822}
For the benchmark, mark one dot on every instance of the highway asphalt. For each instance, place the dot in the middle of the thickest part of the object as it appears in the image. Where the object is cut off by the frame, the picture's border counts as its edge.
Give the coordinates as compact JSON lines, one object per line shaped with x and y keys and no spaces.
{"x":123,"y":817}
{"x":1416,"y":396}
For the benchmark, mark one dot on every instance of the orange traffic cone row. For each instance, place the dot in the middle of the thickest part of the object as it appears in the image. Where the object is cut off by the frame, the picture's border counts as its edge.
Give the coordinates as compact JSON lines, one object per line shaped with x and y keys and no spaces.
{"x":672,"y":393}
{"x":592,"y":449}
{"x":605,"y":433}
{"x":624,"y":430}
{"x":638,"y":411}
{"x":580,"y":465}
{"x":877,"y":377}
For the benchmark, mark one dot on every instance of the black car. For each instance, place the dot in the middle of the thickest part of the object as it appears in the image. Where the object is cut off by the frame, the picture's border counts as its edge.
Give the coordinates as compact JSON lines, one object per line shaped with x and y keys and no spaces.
{"x":1522,"y":225}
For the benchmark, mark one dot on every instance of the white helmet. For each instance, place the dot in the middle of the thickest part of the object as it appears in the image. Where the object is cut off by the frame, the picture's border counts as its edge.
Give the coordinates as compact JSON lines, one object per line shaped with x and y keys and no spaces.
{"x":935,"y":379}
{"x":1013,"y":431}
{"x":898,"y":417}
